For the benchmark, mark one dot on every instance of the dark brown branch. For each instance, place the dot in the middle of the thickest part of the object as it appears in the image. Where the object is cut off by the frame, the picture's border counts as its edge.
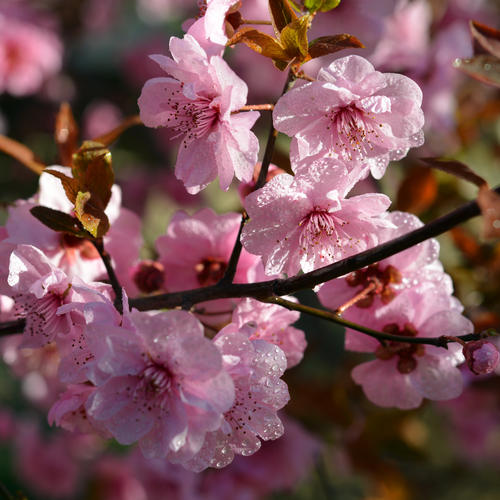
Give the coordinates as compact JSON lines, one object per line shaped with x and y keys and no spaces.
{"x":106,"y":258}
{"x":12,"y":327}
{"x":278,"y":287}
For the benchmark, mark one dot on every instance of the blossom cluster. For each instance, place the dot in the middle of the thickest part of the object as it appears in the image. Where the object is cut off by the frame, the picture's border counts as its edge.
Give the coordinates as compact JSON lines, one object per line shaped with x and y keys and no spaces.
{"x":199,"y":385}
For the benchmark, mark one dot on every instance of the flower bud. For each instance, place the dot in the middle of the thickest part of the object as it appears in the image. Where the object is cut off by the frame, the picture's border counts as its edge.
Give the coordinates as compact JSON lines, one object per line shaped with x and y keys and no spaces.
{"x":481,"y":356}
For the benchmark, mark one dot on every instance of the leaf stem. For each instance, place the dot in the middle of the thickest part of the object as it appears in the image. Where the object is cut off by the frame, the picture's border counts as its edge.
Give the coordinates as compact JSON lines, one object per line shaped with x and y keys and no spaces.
{"x":255,"y":21}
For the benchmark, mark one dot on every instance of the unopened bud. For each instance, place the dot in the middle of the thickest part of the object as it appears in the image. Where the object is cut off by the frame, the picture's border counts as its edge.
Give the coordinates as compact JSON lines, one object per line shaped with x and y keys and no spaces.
{"x":481,"y":356}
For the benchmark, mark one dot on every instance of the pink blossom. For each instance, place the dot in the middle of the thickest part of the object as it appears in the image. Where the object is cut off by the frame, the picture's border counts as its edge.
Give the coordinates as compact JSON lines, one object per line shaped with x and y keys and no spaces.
{"x":100,"y":117}
{"x":255,"y":367}
{"x":354,"y":113}
{"x":305,"y":222}
{"x":39,"y":290}
{"x":159,"y":382}
{"x":272,"y":324}
{"x":481,"y":356}
{"x":405,"y":373}
{"x":196,"y":250}
{"x":197,"y":102}
{"x":29,"y":54}
{"x":377,"y":285}
{"x":46,"y":465}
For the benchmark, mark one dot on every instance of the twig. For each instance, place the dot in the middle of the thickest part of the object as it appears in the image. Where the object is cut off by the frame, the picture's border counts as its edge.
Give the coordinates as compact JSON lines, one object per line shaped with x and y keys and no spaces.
{"x":106,"y":258}
{"x":254,"y":107}
{"x":441,"y":341}
{"x":12,"y":327}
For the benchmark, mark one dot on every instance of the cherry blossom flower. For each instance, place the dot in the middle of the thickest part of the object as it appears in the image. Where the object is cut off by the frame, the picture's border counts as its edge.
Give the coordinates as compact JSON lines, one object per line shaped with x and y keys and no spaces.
{"x":197,"y":102}
{"x":255,"y":367}
{"x":272,"y":323}
{"x":29,"y":54}
{"x":354,"y":113}
{"x":405,"y":373}
{"x":305,"y":222}
{"x":159,"y":382}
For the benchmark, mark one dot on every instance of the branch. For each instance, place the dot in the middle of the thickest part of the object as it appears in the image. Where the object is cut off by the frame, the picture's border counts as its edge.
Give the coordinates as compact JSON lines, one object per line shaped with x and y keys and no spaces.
{"x":441,"y":341}
{"x":106,"y":258}
{"x":12,"y":327}
{"x":278,"y":287}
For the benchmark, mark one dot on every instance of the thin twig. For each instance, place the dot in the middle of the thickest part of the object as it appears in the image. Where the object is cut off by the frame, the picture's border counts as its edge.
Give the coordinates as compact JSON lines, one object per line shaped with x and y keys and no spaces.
{"x":254,"y":107}
{"x":256,"y":21}
{"x":278,"y":287}
{"x":441,"y":341}
{"x":12,"y":327}
{"x":106,"y":258}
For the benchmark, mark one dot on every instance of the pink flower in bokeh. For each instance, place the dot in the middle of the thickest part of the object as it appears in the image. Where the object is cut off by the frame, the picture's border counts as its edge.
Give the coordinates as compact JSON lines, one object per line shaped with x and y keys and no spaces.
{"x":47,"y":466}
{"x":29,"y":54}
{"x":353,"y":113}
{"x":272,"y":323}
{"x":197,"y":102}
{"x":159,"y":382}
{"x":305,"y":222}
{"x":255,"y":367}
{"x":405,"y":373}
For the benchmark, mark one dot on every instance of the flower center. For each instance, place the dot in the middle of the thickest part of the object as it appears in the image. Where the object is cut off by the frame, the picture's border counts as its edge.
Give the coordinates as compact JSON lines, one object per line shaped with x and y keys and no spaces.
{"x":192,"y":118}
{"x":322,"y":232}
{"x":375,"y":281}
{"x":353,"y":130}
{"x":156,"y":379}
{"x":210,"y":270}
{"x":149,"y":276}
{"x":406,"y":352}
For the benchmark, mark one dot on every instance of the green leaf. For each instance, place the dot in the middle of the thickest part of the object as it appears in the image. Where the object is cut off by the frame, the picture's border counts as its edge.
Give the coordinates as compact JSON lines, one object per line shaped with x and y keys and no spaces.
{"x":282,"y":14}
{"x":293,"y":38}
{"x":329,"y":44}
{"x":320,"y":5}
{"x":58,"y":221}
{"x":91,"y":214}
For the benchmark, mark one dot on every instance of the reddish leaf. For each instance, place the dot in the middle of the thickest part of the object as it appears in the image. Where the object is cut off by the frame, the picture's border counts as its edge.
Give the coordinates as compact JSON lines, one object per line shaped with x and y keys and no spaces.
{"x":418,"y":190}
{"x":21,"y":153}
{"x":489,"y":203}
{"x":260,"y":42}
{"x":488,"y":38}
{"x":69,"y":184}
{"x":66,"y":134}
{"x":466,"y":243}
{"x":456,"y":168}
{"x":58,"y":221}
{"x":484,"y":68}
{"x":329,"y":44}
{"x":282,"y":14}
{"x":112,"y":135}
